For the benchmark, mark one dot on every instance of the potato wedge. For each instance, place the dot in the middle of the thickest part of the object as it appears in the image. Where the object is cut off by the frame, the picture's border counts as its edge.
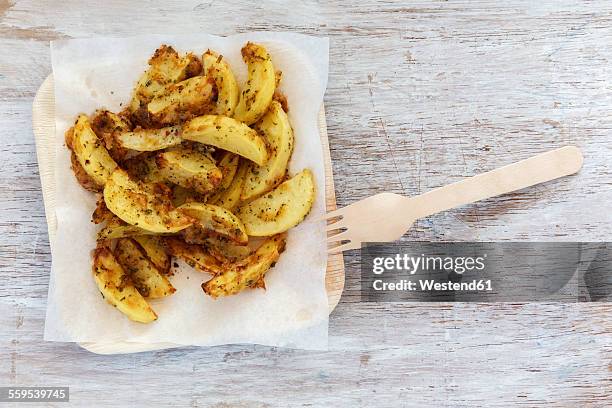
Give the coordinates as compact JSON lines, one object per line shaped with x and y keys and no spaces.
{"x":248,"y":272}
{"x":107,"y":125}
{"x":165,"y":67}
{"x":102,"y":213}
{"x":216,"y":67}
{"x":227,"y":251}
{"x":230,"y":197}
{"x":143,"y":168}
{"x":183,"y":100}
{"x":228,"y":164}
{"x":213,"y":221}
{"x":155,"y":251}
{"x":145,"y":277}
{"x":135,"y":204}
{"x":182,"y":195}
{"x":114,"y":230}
{"x":81,"y":175}
{"x":149,"y":140}
{"x":117,"y":288}
{"x":189,"y":169}
{"x":227,"y":134}
{"x":91,"y":153}
{"x":259,"y":88}
{"x":196,"y":256}
{"x":275,"y":127}
{"x":282,"y":208}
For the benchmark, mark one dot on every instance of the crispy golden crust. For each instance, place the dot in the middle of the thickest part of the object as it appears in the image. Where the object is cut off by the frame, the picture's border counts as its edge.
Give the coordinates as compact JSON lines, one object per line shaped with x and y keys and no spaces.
{"x":163,"y":53}
{"x":190,"y":169}
{"x":81,"y":175}
{"x":117,"y":287}
{"x":154,"y":249}
{"x":148,"y":206}
{"x":228,"y":92}
{"x":107,"y":126}
{"x":147,"y":279}
{"x":226,"y":251}
{"x":196,"y":256}
{"x":260,"y":85}
{"x":213,"y":221}
{"x":102,"y":213}
{"x":166,"y":67}
{"x":194,"y":67}
{"x":79,"y":172}
{"x":248,"y":272}
{"x":91,"y":152}
{"x":282,"y":99}
{"x":69,"y":138}
{"x":182,"y":101}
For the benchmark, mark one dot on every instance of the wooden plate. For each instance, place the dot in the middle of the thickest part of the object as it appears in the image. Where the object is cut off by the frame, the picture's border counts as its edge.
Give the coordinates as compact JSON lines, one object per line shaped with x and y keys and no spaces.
{"x":43,"y":123}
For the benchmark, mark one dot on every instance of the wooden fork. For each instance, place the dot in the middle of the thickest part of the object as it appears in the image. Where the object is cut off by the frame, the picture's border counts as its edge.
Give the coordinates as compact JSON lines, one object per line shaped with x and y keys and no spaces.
{"x":386,"y":217}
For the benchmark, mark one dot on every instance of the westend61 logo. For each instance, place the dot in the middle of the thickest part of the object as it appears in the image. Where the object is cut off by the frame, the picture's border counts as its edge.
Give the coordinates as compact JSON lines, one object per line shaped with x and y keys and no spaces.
{"x":486,"y":272}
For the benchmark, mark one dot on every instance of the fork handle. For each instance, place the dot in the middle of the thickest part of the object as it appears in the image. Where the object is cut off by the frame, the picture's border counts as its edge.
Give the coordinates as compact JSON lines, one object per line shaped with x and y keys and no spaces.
{"x":525,"y":173}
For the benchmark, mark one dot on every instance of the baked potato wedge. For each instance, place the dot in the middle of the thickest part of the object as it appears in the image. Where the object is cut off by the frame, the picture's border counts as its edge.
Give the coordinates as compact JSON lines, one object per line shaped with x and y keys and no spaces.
{"x":190,"y":169}
{"x":135,"y":204}
{"x":143,"y":168}
{"x":282,"y":208}
{"x":91,"y":153}
{"x":165,"y":67}
{"x":149,"y":140}
{"x":230,"y":197}
{"x":228,"y":93}
{"x":261,"y":82}
{"x":227,"y":134}
{"x":248,"y":272}
{"x":116,"y":287}
{"x":155,"y":251}
{"x":81,"y":175}
{"x":145,"y":277}
{"x":102,"y":213}
{"x":196,"y":256}
{"x":114,"y":230}
{"x":183,"y":100}
{"x":228,"y":164}
{"x":107,"y":125}
{"x":79,"y":172}
{"x":275,"y":127}
{"x":182,"y":195}
{"x":226,"y":251}
{"x":213,"y":221}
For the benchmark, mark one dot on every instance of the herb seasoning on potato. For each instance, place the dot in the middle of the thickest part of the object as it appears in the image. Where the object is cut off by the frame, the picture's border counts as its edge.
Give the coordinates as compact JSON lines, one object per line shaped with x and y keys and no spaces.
{"x":194,"y":168}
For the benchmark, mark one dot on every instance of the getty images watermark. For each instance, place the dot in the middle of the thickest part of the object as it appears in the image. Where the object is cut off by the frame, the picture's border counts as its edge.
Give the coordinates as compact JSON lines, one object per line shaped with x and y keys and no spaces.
{"x":486,"y":272}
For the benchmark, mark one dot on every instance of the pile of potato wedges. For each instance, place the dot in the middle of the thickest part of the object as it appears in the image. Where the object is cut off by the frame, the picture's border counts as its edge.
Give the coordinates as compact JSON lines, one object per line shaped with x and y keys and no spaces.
{"x":194,"y":168}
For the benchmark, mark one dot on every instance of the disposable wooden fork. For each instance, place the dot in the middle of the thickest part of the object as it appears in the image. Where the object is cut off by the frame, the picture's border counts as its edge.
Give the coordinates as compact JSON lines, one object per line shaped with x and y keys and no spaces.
{"x":386,"y":217}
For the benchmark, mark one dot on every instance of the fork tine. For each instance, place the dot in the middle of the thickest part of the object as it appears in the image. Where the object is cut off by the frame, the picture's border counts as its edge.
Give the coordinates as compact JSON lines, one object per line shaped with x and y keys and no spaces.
{"x":341,"y":248}
{"x":338,"y":212}
{"x":343,"y":236}
{"x":336,"y":225}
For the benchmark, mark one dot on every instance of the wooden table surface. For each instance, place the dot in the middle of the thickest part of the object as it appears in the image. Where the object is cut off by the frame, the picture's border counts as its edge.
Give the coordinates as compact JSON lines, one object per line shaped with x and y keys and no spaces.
{"x":420,"y":94}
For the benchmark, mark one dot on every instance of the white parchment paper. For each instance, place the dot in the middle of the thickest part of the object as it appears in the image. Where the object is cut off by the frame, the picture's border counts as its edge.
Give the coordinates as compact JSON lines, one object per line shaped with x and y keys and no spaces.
{"x":293,"y":311}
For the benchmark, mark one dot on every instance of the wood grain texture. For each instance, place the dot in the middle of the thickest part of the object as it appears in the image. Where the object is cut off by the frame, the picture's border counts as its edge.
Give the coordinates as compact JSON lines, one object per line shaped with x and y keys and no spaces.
{"x":420,"y":94}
